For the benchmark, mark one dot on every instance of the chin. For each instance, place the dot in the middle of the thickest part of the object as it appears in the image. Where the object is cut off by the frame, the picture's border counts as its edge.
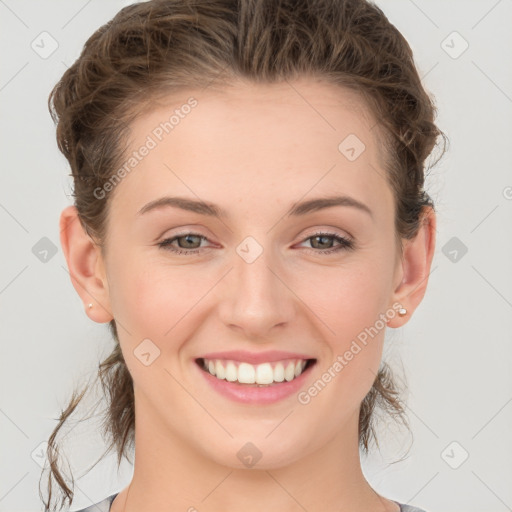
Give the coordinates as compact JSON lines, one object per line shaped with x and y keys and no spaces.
{"x":257,"y":451}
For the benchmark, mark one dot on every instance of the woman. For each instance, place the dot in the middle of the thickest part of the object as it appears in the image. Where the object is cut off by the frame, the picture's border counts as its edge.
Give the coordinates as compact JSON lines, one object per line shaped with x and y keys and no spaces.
{"x":249,"y":218}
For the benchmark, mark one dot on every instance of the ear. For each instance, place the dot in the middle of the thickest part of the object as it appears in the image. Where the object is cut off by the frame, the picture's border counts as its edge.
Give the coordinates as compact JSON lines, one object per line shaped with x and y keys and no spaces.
{"x":414,"y":268}
{"x":86,"y":266}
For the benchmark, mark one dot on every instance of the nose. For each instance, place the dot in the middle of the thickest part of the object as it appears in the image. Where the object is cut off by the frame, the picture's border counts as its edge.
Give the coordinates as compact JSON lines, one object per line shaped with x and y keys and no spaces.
{"x":256,"y":298}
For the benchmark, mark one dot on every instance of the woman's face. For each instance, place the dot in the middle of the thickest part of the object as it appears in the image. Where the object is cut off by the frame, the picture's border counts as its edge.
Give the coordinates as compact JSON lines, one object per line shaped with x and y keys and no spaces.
{"x":253,"y":284}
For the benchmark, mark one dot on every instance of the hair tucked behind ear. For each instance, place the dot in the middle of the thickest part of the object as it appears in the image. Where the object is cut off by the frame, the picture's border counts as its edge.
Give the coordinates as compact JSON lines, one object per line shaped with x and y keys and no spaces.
{"x":154,"y":48}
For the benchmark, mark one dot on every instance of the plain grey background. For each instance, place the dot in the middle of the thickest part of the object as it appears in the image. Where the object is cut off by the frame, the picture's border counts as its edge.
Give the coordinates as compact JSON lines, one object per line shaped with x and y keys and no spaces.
{"x":456,"y":351}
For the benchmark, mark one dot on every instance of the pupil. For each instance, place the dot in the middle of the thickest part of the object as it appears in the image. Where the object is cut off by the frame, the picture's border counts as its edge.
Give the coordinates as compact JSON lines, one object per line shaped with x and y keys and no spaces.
{"x":188,"y":239}
{"x":324,"y":238}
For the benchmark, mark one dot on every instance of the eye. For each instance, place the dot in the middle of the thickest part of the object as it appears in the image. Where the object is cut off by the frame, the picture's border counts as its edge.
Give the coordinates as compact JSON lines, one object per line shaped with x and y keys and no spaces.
{"x":321,"y":241}
{"x":188,"y":243}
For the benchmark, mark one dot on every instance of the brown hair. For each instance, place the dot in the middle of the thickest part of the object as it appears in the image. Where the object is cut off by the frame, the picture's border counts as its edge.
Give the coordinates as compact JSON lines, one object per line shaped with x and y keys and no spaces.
{"x":151,"y":49}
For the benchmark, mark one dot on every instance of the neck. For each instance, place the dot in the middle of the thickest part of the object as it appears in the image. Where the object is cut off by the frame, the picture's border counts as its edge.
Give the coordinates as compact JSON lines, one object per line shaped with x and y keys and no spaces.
{"x":170,"y":474}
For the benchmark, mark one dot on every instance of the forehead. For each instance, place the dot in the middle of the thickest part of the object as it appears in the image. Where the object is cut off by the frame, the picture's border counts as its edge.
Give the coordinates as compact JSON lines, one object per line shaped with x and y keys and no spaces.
{"x":256,"y":140}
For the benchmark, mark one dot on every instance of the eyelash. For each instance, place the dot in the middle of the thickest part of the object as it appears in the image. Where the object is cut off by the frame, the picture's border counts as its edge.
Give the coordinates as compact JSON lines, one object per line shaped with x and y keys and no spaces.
{"x":344,"y":244}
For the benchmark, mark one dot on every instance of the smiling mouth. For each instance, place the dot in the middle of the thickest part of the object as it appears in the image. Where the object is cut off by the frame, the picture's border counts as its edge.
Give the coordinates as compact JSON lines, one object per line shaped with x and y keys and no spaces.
{"x":256,"y":375}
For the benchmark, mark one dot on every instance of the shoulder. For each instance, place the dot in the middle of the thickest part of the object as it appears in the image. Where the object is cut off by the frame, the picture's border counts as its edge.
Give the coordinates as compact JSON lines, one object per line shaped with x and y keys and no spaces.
{"x":102,"y":506}
{"x":409,"y":508}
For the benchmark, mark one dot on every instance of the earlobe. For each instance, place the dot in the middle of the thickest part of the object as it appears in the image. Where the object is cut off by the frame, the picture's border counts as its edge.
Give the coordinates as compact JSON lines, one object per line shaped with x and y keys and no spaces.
{"x":415,"y":268}
{"x":85,"y":266}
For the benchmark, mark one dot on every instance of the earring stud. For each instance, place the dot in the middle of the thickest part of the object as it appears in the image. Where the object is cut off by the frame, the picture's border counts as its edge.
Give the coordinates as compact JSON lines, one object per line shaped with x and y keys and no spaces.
{"x":90,"y":305}
{"x":402,"y":311}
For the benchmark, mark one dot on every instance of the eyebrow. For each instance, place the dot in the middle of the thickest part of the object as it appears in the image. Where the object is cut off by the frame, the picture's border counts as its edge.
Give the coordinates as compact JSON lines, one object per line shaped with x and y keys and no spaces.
{"x":212,"y":210}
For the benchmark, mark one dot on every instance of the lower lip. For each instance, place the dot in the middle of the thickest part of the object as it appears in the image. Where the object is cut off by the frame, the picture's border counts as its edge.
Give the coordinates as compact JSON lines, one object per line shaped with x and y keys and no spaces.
{"x":253,"y":394}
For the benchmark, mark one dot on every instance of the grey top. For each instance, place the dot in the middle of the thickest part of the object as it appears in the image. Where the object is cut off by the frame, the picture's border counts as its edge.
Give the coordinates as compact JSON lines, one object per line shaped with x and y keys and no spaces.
{"x":104,"y":506}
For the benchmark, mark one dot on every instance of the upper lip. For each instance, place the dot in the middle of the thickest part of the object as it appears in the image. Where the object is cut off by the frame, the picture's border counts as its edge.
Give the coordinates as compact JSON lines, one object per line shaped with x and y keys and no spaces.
{"x":255,"y":357}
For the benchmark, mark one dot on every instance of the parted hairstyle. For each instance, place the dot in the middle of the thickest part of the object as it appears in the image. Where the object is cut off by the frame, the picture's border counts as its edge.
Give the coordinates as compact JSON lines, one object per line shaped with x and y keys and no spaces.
{"x":155,"y":48}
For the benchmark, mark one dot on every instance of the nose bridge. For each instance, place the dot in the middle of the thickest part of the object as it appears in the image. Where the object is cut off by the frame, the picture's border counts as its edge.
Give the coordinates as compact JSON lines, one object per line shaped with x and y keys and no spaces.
{"x":256,"y":299}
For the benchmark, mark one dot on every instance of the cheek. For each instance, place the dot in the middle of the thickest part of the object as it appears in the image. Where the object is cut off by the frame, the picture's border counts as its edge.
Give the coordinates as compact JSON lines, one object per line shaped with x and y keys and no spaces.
{"x":157,"y":306}
{"x":352,"y":309}
{"x":152,"y":298}
{"x":351,"y":300}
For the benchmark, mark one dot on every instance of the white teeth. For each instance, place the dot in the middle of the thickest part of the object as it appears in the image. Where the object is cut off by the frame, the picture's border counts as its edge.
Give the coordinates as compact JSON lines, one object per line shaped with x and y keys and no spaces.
{"x":289,"y":372}
{"x":279,"y":372}
{"x":231,"y":372}
{"x":246,"y":373}
{"x":219,"y":370}
{"x":263,"y":374}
